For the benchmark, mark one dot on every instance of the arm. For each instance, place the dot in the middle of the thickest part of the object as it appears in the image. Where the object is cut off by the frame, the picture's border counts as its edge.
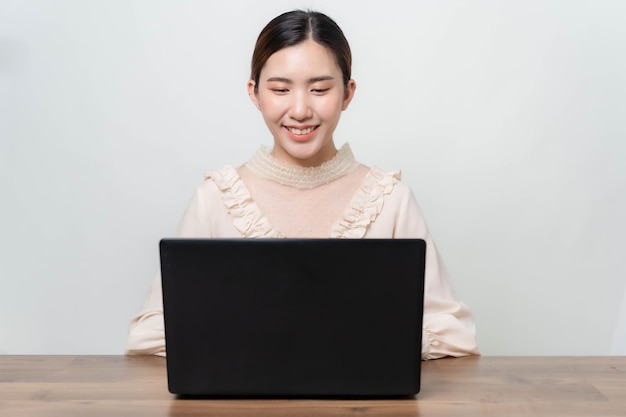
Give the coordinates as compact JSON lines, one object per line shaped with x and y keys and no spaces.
{"x":448,"y":325}
{"x":146,"y":335}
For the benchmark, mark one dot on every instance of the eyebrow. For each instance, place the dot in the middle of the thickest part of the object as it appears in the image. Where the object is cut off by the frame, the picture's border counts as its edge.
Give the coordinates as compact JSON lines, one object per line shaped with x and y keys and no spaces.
{"x":311,"y":80}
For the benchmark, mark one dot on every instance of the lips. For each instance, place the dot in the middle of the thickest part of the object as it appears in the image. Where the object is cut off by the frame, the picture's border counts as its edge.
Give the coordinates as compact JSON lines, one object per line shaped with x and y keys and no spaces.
{"x":301,"y":134}
{"x":303,"y":131}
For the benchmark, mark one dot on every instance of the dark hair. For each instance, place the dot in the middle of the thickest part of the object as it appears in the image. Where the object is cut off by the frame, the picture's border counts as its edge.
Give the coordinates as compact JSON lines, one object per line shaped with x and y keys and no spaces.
{"x":294,"y":27}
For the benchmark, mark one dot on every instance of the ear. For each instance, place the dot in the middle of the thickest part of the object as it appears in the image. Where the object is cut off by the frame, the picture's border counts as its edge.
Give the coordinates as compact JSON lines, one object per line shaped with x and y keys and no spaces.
{"x":348,"y":94}
{"x":252,"y":94}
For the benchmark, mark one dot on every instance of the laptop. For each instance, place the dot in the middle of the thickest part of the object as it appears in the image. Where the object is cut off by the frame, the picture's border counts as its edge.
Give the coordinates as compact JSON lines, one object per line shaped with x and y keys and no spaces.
{"x":293,"y":317}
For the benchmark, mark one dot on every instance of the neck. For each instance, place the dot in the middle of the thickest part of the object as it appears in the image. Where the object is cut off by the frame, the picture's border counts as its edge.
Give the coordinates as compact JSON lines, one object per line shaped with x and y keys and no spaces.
{"x":267,"y":166}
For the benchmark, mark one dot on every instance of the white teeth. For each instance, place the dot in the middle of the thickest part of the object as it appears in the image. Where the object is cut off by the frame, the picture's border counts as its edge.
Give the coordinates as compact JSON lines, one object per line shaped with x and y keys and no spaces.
{"x":301,"y":131}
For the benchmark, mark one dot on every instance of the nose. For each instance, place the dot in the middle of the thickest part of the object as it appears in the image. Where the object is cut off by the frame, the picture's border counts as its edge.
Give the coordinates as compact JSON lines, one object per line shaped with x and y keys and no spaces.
{"x":300,"y":108}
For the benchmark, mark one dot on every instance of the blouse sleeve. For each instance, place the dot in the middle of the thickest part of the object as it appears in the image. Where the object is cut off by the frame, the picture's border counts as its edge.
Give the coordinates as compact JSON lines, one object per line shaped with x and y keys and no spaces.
{"x":146,"y":334}
{"x":448,"y":325}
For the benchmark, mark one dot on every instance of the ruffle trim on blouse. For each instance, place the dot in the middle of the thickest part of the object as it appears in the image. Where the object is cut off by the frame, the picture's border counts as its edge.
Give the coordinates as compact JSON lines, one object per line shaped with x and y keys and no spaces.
{"x":246,"y":215}
{"x":366,"y":204}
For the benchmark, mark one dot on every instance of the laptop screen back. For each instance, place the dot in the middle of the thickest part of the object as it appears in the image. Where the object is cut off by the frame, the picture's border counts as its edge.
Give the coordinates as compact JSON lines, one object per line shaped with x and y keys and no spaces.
{"x":293,"y":317}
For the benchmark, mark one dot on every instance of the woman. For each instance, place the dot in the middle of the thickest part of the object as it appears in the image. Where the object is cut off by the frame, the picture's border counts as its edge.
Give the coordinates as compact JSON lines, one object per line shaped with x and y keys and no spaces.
{"x":305,"y":186}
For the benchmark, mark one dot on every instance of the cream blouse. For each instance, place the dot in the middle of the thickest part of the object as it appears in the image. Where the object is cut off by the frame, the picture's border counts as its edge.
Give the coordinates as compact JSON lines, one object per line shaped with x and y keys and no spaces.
{"x":339,"y":199}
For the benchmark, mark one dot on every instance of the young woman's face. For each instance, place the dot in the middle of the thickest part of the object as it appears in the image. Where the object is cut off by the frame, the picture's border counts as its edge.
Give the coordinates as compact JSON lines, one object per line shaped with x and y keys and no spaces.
{"x":301,"y":95}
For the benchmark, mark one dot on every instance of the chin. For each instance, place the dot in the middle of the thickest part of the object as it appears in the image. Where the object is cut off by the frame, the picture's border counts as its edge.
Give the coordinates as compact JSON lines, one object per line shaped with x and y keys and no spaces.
{"x":302,"y":153}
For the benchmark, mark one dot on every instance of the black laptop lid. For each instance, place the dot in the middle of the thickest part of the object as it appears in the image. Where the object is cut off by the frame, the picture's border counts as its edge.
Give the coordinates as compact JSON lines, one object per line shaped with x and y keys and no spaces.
{"x":293,"y":317}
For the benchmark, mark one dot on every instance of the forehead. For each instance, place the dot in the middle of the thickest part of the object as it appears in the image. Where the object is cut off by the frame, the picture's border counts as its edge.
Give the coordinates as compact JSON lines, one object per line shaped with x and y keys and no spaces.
{"x":303,"y":60}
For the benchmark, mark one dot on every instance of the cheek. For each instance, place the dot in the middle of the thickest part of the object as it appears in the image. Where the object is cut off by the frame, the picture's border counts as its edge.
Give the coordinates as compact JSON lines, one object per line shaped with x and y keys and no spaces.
{"x":271,"y":106}
{"x":330,"y":107}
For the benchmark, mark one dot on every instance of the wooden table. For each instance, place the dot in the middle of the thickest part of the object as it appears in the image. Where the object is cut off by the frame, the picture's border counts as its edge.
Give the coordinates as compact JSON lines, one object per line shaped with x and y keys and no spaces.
{"x":71,"y":386}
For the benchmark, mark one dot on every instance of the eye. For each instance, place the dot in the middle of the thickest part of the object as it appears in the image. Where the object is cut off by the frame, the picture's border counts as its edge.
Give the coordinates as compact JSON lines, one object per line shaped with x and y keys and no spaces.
{"x":319,"y":90}
{"x":280,"y":90}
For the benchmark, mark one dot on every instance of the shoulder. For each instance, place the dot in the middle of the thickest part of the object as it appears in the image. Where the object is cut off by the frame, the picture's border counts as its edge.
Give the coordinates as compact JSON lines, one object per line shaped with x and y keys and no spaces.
{"x":226,"y":184}
{"x":383,"y":176}
{"x":216,"y":184}
{"x":236,"y":201}
{"x":398,"y":195}
{"x":223,"y":177}
{"x":374,"y":198}
{"x":389,"y":181}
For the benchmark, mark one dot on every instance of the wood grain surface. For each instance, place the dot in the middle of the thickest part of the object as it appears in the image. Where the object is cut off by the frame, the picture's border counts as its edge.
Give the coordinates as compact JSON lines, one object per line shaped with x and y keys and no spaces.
{"x":68,"y":386}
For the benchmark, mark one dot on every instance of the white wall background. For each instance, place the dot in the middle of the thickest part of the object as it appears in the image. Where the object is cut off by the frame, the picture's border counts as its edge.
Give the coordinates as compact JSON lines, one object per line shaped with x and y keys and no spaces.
{"x":508,"y":119}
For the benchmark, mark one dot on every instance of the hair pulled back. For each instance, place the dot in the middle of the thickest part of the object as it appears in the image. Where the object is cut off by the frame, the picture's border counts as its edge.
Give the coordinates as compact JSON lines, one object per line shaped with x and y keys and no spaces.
{"x":294,"y":27}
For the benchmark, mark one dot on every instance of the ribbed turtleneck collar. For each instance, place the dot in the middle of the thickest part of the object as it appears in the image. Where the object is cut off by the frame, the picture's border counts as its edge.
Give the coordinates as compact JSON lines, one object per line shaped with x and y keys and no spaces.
{"x":266,"y":166}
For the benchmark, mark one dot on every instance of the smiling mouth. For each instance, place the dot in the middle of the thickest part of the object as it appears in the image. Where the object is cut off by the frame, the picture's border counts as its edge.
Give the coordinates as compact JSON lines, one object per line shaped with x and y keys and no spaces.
{"x":297,"y":131}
